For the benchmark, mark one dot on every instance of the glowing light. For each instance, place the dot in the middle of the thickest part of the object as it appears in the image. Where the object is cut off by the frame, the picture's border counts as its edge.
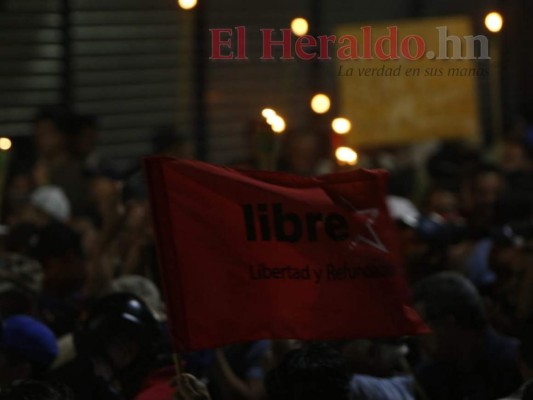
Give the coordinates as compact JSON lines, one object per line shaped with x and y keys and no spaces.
{"x":278,"y":124}
{"x":187,"y":4}
{"x":5,"y":144}
{"x":341,"y":125}
{"x":320,"y":103}
{"x":494,"y":22}
{"x":271,"y":118}
{"x":299,"y":26}
{"x":346,"y":156}
{"x":268,"y":113}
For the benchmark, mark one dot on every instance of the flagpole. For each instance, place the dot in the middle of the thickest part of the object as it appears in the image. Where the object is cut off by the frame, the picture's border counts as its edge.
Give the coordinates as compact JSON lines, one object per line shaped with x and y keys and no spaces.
{"x":179,"y":370}
{"x":416,"y":385}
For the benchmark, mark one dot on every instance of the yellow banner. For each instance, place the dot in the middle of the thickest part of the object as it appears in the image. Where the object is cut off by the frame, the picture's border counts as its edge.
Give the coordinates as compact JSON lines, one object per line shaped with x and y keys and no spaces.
{"x":399,"y":101}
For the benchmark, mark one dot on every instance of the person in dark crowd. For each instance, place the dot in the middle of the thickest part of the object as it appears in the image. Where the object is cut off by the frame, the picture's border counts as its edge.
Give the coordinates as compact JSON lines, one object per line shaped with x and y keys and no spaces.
{"x":517,"y":164}
{"x":117,"y":353}
{"x":84,"y":140}
{"x":301,"y":153}
{"x":190,"y":388}
{"x":21,"y":239}
{"x":314,"y":372}
{"x":525,"y":356}
{"x":378,"y":369}
{"x":51,"y":128}
{"x":35,"y":390}
{"x":451,"y":161}
{"x":516,"y":155}
{"x":499,"y":267}
{"x":56,"y":164}
{"x":58,"y":249}
{"x":429,"y":241}
{"x":239,"y":370}
{"x":482,"y":191}
{"x":19,"y":178}
{"x":27,"y":349}
{"x":21,"y":282}
{"x":466,"y":358}
{"x":78,"y":227}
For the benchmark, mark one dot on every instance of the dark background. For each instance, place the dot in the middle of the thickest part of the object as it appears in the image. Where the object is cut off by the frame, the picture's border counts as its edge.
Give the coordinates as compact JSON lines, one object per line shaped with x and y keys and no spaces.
{"x":140,"y":65}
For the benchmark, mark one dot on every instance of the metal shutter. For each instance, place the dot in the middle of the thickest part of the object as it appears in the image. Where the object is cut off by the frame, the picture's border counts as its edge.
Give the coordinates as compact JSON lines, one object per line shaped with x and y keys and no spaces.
{"x":31,"y":67}
{"x":130,"y":68}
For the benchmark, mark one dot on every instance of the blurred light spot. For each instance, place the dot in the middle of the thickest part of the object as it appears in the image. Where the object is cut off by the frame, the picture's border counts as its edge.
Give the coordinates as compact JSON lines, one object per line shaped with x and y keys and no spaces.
{"x":494,"y":22}
{"x":187,"y":4}
{"x":320,"y":103}
{"x":5,"y":143}
{"x":299,"y":26}
{"x":341,"y":125}
{"x":268,"y":113}
{"x":278,"y":124}
{"x":346,"y":156}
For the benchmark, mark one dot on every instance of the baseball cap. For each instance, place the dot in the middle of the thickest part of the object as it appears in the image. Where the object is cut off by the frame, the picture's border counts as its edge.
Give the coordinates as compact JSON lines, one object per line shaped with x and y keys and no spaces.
{"x":53,"y":201}
{"x":143,"y":288}
{"x":30,"y":339}
{"x":401,"y":208}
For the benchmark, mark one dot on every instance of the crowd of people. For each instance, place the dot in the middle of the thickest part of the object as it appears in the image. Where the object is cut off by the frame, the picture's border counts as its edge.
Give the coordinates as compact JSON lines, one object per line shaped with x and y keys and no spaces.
{"x":83,"y":318}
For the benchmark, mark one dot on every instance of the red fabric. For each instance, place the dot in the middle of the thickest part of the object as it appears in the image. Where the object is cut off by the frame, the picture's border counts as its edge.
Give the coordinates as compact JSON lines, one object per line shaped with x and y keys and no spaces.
{"x":345,"y":281}
{"x":158,"y":385}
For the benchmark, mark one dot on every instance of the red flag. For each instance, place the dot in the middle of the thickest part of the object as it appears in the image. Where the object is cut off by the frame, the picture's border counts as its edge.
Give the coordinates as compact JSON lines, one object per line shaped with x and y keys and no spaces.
{"x":249,"y":255}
